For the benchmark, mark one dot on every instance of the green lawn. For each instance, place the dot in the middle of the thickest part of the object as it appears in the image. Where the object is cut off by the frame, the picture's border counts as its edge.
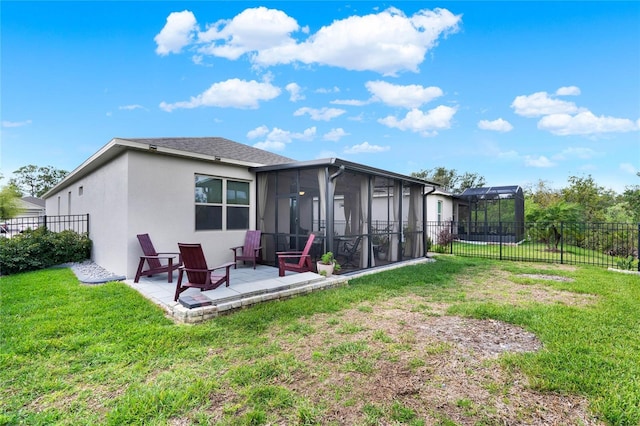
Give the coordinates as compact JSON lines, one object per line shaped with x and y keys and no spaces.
{"x":85,"y":355}
{"x":534,"y":252}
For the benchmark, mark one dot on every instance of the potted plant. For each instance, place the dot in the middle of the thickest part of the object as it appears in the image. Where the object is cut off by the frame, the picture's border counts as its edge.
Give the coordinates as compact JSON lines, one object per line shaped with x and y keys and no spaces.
{"x":380,"y":244}
{"x":327,"y":264}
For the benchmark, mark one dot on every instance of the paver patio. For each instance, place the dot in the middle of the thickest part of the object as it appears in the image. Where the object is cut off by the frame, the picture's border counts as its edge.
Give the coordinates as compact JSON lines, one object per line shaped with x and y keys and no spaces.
{"x":248,"y":286}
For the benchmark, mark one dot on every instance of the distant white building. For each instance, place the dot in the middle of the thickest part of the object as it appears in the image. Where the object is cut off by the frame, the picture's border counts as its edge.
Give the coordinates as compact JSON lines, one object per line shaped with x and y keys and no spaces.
{"x":32,"y":207}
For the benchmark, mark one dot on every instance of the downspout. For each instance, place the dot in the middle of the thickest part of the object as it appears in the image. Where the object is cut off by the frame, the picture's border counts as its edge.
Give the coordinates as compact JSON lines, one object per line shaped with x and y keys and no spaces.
{"x":330,"y":208}
{"x":424,"y":220}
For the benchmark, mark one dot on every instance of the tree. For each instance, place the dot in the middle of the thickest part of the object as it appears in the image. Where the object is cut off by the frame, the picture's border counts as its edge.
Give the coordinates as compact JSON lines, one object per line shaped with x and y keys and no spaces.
{"x":631,"y":200}
{"x":470,"y":180}
{"x":9,"y":202}
{"x":546,"y":220}
{"x":541,"y":194}
{"x":593,"y":198}
{"x":449,"y":180}
{"x":35,"y":180}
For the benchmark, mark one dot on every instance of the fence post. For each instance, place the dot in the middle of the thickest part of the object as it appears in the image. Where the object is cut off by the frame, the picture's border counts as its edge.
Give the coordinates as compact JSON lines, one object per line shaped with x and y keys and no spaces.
{"x":561,"y":243}
{"x":638,"y":248}
{"x":44,"y":222}
{"x":500,"y":236}
{"x":451,"y":243}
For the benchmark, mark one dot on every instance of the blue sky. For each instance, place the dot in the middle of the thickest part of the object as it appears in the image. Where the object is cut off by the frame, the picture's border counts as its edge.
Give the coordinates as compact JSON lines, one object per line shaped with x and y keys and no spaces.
{"x":513,"y":91}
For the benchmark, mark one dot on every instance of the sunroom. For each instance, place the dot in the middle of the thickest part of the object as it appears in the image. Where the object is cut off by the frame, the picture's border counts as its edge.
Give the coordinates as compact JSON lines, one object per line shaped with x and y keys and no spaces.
{"x":367,"y":217}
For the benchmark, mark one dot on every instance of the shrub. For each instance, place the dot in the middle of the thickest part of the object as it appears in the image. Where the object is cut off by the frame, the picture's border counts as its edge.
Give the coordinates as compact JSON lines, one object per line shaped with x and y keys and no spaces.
{"x":41,"y":248}
{"x":444,"y":239}
{"x":625,"y":263}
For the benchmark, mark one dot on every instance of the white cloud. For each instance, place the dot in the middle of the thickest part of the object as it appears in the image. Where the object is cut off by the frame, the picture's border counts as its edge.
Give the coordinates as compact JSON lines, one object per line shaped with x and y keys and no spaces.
{"x":580,"y":152}
{"x":492,"y":149}
{"x":177,"y":33}
{"x":359,"y":117}
{"x":410,"y":96}
{"x":628,"y":168}
{"x":386,"y":42}
{"x":333,"y":89}
{"x":308,"y":134}
{"x":322,"y":114}
{"x":130,"y":107}
{"x":498,"y":125}
{"x":335,"y":135}
{"x":258,"y":132}
{"x":568,"y":91}
{"x":365,"y":147}
{"x":326,"y":154}
{"x":277,"y":139}
{"x":294,"y":92}
{"x":233,"y":93}
{"x":584,"y":123}
{"x":426,"y":124}
{"x":270,"y":145}
{"x":255,"y":29}
{"x":349,"y":102}
{"x":541,"y":161}
{"x":16,"y":123}
{"x":564,"y":118}
{"x":541,"y":103}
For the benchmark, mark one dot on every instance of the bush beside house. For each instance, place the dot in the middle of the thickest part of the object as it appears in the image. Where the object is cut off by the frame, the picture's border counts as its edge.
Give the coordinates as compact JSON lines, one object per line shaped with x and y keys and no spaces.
{"x":40,"y":249}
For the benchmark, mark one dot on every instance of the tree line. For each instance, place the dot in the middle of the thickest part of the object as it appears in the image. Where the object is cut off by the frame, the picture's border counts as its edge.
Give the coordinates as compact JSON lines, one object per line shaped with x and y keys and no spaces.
{"x":582,"y":200}
{"x":28,"y":180}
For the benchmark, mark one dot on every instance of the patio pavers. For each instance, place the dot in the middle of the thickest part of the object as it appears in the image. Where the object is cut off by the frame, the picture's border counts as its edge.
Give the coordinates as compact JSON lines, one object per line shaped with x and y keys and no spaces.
{"x":247,"y":287}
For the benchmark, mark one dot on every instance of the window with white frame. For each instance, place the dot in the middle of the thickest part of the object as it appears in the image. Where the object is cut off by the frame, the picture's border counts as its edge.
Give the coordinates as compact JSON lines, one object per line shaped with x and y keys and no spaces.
{"x":439,"y":211}
{"x":221,"y":203}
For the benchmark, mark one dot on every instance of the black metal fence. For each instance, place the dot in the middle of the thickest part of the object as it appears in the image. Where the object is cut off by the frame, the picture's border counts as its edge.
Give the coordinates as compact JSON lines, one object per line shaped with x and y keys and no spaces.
{"x":75,"y":222}
{"x":601,"y":244}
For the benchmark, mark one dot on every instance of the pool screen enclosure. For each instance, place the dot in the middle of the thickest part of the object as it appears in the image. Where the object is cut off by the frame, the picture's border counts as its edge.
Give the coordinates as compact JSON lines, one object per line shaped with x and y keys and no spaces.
{"x":491,"y":214}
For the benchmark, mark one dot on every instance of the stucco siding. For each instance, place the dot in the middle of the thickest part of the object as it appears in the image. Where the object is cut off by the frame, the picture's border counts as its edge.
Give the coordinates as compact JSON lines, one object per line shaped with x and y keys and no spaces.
{"x":161,"y":203}
{"x":103,"y":195}
{"x":432,"y":208}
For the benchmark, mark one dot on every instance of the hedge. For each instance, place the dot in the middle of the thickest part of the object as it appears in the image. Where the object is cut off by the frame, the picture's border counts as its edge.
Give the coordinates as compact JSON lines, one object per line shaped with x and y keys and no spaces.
{"x":41,"y":248}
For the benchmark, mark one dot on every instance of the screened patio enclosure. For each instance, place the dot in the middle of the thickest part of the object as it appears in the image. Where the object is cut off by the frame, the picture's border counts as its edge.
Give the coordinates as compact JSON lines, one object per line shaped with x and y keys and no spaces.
{"x":491,"y":214}
{"x":367,"y":217}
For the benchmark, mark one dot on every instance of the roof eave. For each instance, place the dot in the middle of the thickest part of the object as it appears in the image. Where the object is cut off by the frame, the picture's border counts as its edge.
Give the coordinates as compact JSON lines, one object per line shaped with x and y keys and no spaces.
{"x":117,"y":146}
{"x":337,"y":162}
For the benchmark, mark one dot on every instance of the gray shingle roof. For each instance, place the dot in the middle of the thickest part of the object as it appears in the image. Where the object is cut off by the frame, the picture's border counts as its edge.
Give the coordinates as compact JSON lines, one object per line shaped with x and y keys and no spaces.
{"x":34,"y":200}
{"x":217,"y":147}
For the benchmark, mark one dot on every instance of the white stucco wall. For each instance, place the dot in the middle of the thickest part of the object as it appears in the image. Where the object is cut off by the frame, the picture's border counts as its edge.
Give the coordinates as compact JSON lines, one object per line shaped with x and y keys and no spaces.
{"x":103,"y":195}
{"x":432,"y":207}
{"x":139,"y":192}
{"x":161,"y":203}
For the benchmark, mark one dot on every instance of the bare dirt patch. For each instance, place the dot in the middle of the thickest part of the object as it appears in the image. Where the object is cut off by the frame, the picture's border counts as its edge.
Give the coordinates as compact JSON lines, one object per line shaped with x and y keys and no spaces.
{"x":412,"y":356}
{"x":547,"y":277}
{"x":499,"y":287}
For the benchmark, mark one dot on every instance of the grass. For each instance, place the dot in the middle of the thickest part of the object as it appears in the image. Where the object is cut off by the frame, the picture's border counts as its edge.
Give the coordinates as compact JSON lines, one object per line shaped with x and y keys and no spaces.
{"x":534,"y":252}
{"x":85,"y":355}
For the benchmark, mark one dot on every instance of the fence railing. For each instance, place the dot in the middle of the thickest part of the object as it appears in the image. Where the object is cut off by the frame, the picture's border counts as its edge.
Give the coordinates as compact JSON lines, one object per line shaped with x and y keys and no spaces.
{"x":75,"y":222}
{"x":601,"y":244}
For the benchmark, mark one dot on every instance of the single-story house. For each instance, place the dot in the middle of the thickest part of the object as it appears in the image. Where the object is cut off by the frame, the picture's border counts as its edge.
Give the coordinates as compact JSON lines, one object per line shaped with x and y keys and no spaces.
{"x":31,"y":207}
{"x":31,"y":210}
{"x":211,"y":190}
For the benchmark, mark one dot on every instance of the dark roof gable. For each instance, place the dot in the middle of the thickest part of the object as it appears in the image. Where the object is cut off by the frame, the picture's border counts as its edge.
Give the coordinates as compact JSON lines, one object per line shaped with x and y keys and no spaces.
{"x":217,"y":147}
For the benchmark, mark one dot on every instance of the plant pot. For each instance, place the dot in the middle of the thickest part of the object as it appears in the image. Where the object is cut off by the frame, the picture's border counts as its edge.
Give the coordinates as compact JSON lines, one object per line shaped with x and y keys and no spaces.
{"x":328,"y":269}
